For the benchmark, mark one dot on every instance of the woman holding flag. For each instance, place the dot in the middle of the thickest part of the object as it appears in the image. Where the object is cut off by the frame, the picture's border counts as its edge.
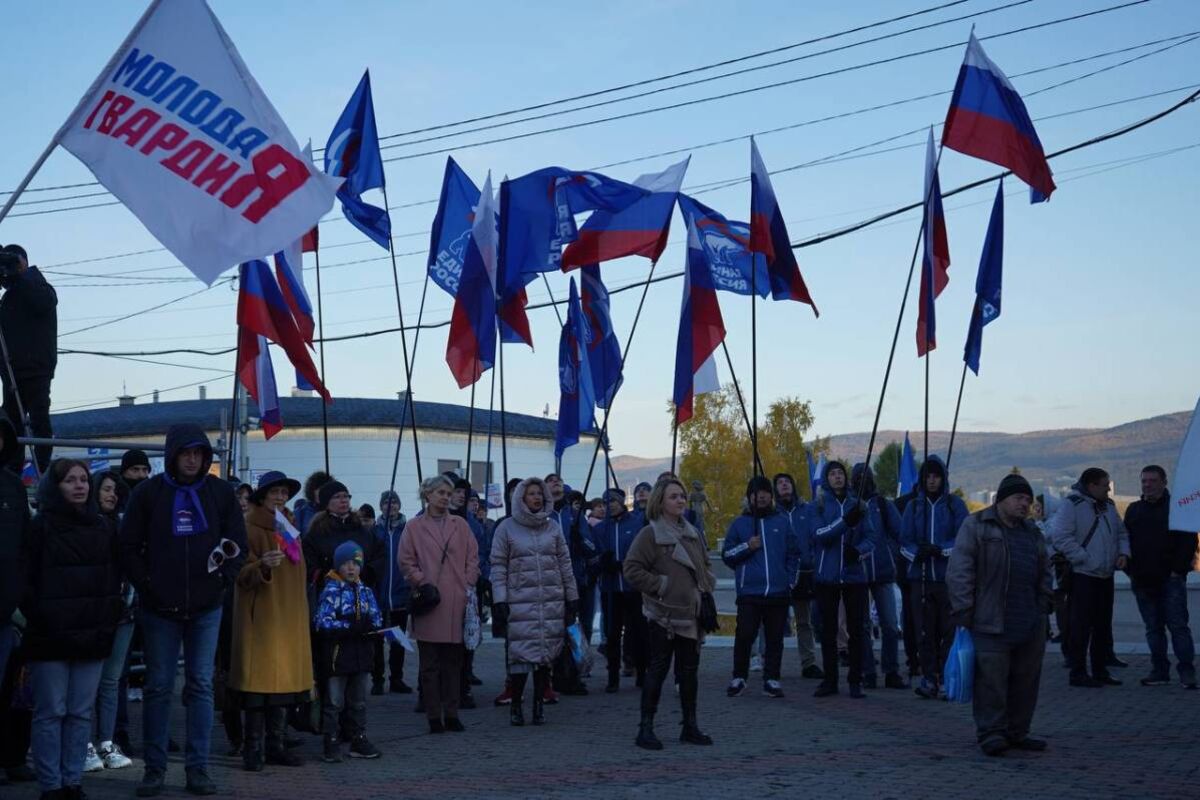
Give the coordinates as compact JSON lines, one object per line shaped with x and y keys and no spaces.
{"x":272,"y":661}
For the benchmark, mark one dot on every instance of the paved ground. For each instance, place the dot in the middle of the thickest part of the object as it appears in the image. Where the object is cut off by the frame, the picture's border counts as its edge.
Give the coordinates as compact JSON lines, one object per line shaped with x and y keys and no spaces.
{"x":1126,"y":741}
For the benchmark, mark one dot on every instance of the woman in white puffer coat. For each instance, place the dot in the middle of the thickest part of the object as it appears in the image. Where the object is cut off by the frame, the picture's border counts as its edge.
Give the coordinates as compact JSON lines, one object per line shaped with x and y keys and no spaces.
{"x":533,"y":591}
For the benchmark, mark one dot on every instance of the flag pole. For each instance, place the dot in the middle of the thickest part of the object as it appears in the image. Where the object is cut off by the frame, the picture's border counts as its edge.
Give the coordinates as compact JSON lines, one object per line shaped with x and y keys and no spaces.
{"x":957,"y":405}
{"x":674,"y":436}
{"x":887,"y":372}
{"x":602,"y":440}
{"x":737,"y":388}
{"x":229,"y":448}
{"x":403,"y":413}
{"x":470,"y":429}
{"x":503,"y":422}
{"x":926,"y":443}
{"x":756,"y":464}
{"x":408,"y":401}
{"x":321,"y":334}
{"x":487,"y":478}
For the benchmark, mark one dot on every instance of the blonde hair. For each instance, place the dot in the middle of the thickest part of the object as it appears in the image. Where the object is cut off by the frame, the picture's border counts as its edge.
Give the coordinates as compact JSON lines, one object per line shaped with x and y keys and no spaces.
{"x":654,"y":506}
{"x":433,"y":482}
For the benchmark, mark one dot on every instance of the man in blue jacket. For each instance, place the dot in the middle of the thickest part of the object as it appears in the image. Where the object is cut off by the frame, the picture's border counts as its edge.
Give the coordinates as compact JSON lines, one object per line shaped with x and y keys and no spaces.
{"x":392,"y":592}
{"x":764,"y":553}
{"x":880,"y":565}
{"x":795,"y":510}
{"x":841,"y":539}
{"x":182,"y":541}
{"x":622,"y":603}
{"x":930,"y":523}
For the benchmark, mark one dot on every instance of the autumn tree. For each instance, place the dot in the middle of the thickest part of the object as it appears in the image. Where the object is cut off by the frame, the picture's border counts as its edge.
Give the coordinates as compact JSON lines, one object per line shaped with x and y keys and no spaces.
{"x":715,"y":450}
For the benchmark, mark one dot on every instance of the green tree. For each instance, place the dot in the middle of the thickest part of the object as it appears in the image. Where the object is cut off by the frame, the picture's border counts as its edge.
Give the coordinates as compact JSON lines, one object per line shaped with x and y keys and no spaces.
{"x":887,"y":470}
{"x":715,"y":450}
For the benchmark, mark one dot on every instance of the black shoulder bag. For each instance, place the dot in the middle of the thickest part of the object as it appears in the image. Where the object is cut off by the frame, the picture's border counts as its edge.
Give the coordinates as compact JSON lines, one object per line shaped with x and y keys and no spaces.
{"x":425,"y":598}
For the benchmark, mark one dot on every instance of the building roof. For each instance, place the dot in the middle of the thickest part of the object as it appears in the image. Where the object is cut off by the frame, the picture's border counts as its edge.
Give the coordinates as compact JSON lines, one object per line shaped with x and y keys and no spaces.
{"x":153,"y":419}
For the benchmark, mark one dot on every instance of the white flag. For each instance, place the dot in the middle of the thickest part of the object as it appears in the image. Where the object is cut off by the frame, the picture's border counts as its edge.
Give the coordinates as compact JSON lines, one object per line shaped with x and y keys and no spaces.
{"x":1185,"y":483}
{"x":179,"y":131}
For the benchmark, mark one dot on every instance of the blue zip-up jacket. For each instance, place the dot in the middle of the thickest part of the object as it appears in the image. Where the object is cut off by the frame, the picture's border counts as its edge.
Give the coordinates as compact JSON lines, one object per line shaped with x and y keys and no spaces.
{"x":579,"y":543}
{"x":393,"y":591}
{"x":828,"y":535}
{"x":304,"y":512}
{"x":483,"y":542}
{"x":797,"y":517}
{"x":935,"y":521}
{"x":616,"y":536}
{"x":885,"y":522}
{"x":770,"y":571}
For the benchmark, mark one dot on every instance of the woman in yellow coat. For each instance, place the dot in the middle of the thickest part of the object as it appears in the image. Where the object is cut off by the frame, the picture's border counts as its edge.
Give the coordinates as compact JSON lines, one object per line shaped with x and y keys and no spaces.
{"x":272,"y":658}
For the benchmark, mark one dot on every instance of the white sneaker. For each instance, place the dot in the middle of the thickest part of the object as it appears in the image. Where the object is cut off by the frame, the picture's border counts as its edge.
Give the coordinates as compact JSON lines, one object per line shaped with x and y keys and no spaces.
{"x":735,"y":688}
{"x":133,"y":695}
{"x":92,"y":762}
{"x":113,"y":757}
{"x":756,"y":663}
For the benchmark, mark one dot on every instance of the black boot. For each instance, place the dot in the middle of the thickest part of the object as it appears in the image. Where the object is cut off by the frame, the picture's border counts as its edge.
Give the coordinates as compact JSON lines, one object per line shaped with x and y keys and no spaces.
{"x":252,"y":743}
{"x":276,"y":750}
{"x":646,"y":738}
{"x":540,"y":678}
{"x":689,"y":688}
{"x":516,"y":715}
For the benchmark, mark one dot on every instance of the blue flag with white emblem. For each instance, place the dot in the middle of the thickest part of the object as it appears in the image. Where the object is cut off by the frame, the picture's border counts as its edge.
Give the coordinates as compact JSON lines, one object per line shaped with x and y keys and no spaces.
{"x":353,"y":153}
{"x":577,"y":401}
{"x":451,"y":233}
{"x":987,"y":283}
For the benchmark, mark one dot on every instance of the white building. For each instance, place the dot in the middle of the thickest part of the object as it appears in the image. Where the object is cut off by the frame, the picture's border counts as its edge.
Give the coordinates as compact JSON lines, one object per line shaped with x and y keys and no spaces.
{"x":362,"y":442}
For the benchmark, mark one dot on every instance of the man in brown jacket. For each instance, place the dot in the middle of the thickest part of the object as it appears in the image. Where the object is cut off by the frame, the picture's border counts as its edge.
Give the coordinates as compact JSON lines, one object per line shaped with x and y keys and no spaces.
{"x":998,"y":580}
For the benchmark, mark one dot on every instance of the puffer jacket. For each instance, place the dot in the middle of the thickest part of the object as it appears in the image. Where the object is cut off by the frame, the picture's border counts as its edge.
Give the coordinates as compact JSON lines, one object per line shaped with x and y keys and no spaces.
{"x":881,"y":562}
{"x":773,"y":569}
{"x":615,"y":536}
{"x":72,"y":599}
{"x":346,"y":613}
{"x":531,"y":572}
{"x":931,"y":520}
{"x":1069,"y":528}
{"x":829,"y":535}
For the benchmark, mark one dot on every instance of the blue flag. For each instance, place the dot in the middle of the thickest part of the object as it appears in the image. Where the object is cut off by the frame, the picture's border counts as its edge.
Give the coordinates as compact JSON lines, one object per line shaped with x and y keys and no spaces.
{"x":604,"y":351}
{"x":987,"y":283}
{"x":353,"y":153}
{"x":726,"y":248}
{"x":451,"y":233}
{"x":577,"y":401}
{"x":908,"y":467}
{"x":816,"y":474}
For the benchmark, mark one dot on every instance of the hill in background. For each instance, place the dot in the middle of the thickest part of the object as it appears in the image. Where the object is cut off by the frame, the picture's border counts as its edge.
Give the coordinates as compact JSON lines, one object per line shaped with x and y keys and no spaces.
{"x":1046,"y":458}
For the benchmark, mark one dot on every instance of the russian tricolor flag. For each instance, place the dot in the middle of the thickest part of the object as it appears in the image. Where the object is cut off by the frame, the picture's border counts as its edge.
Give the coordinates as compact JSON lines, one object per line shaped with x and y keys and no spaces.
{"x":287,"y":536}
{"x":263,"y":311}
{"x":769,"y":236}
{"x":701,"y":331}
{"x":935,"y":263}
{"x":257,"y":374}
{"x":471,"y":345}
{"x":987,"y":119}
{"x":640,"y":229}
{"x":289,"y":271}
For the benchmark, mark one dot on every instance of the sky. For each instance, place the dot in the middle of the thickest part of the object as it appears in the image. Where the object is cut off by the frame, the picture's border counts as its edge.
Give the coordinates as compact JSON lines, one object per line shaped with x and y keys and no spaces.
{"x":1098,"y":322}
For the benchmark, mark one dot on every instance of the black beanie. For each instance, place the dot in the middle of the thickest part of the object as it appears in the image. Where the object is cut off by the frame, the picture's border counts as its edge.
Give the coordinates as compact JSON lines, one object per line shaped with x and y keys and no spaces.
{"x":759,"y":483}
{"x":134,"y":458}
{"x":1013,"y":484}
{"x":327,"y":491}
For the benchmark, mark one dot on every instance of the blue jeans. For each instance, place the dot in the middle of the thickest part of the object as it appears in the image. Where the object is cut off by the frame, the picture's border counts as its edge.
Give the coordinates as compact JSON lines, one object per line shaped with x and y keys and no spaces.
{"x":162,"y":637}
{"x":63,"y":695}
{"x":1165,"y":610}
{"x":884,"y":596}
{"x":110,"y":679}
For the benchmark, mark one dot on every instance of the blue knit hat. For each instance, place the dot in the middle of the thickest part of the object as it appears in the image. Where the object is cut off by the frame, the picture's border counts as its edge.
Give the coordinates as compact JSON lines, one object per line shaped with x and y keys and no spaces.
{"x":347,"y":551}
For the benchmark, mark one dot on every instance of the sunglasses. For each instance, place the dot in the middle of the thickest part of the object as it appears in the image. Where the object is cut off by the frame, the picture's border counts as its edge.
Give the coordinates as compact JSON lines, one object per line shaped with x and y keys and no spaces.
{"x":225,"y":550}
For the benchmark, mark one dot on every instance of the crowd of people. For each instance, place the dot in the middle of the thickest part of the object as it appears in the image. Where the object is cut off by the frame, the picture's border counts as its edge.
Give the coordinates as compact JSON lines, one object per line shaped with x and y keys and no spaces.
{"x":289,"y":619}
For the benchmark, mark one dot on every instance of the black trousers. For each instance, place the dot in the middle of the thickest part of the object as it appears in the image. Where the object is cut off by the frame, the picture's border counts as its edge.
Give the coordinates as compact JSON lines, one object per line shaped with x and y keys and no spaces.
{"x":441,"y":668}
{"x":935,"y":630}
{"x":908,"y":629}
{"x":395,"y":653}
{"x":1089,"y":624}
{"x":854,"y":598}
{"x":1006,"y":686}
{"x":623,"y":615}
{"x":35,"y":396}
{"x":772,"y":618}
{"x":663,"y":649}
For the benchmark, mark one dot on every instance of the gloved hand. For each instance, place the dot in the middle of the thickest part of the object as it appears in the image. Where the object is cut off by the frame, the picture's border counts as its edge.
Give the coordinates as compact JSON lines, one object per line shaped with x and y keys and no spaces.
{"x":571,"y":612}
{"x":853,"y":516}
{"x":500,"y":612}
{"x":927,"y":552}
{"x":805,"y":587}
{"x":964,"y":618}
{"x":849,"y":554}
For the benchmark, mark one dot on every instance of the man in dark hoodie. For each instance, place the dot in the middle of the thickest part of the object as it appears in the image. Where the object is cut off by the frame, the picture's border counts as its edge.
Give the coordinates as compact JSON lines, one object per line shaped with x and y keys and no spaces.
{"x":930,"y":523}
{"x":29,"y":322}
{"x":880,"y":565}
{"x":182,"y":541}
{"x":789,"y":504}
{"x":135,"y":468}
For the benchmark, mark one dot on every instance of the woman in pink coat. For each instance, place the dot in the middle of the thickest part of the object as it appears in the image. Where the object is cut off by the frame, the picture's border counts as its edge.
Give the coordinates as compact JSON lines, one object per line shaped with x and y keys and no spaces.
{"x":438,"y":550}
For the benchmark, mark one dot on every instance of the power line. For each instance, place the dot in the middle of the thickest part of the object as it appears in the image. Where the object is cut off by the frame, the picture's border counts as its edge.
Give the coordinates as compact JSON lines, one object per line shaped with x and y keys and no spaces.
{"x":144,"y":310}
{"x":144,"y":394}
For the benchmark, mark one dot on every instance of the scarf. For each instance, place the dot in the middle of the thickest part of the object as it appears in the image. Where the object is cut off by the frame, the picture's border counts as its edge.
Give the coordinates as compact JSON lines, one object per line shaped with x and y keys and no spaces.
{"x":187,"y":512}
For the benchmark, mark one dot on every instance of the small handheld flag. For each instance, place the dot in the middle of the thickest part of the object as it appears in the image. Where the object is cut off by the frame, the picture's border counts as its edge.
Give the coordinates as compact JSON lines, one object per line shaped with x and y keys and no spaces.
{"x":287,"y":536}
{"x":396,"y":635}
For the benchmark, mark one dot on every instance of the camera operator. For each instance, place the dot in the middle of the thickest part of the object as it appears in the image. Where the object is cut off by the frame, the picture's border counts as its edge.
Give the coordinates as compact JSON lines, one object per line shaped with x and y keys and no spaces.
{"x":29,"y":322}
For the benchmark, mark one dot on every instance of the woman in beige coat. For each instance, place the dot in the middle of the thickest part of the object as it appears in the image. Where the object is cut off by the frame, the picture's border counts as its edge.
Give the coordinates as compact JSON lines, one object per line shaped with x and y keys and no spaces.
{"x":439,"y":550}
{"x":533,"y":592}
{"x":668,"y":564}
